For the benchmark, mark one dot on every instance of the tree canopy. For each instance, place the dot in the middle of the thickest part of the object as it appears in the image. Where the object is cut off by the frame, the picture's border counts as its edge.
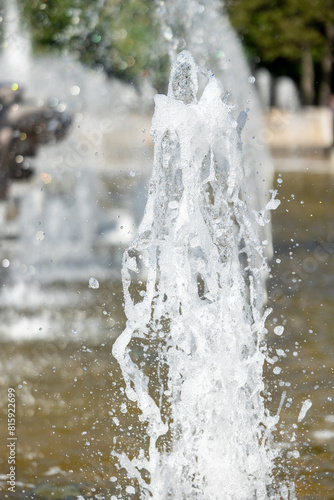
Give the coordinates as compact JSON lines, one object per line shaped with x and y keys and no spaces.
{"x":288,"y":31}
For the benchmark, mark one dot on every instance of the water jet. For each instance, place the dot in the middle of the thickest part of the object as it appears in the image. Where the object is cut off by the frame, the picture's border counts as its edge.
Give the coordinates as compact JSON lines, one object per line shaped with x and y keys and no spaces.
{"x":201,"y":312}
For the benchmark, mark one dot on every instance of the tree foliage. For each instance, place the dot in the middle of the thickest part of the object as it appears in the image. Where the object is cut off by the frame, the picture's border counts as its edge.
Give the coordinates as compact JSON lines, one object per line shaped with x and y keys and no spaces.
{"x":122,"y":36}
{"x":281,"y":29}
{"x":285,"y":30}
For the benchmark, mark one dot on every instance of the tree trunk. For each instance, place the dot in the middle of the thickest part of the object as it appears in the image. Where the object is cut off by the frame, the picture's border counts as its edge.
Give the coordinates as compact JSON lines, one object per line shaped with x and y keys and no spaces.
{"x":326,"y":67}
{"x":307,"y":77}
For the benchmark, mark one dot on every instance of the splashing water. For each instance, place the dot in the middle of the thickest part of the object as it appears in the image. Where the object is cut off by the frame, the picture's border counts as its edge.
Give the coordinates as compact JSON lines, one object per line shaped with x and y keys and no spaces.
{"x":204,"y":29}
{"x":209,"y":432}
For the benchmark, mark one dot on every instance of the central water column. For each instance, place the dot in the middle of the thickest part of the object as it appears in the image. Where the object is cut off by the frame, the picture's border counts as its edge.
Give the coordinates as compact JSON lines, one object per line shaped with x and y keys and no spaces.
{"x":200,"y":311}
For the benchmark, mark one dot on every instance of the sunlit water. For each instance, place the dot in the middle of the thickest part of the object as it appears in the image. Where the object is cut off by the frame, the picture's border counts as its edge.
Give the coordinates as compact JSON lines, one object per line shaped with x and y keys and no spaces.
{"x":205,"y":30}
{"x":210,"y":435}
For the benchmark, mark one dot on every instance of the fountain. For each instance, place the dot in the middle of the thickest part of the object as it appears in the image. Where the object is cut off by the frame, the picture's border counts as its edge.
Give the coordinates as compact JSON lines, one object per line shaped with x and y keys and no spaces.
{"x":66,"y":178}
{"x":193,"y":349}
{"x":264,"y":85}
{"x":200,"y":311}
{"x":286,"y":95}
{"x":205,"y":30}
{"x":71,"y":220}
{"x":16,"y":59}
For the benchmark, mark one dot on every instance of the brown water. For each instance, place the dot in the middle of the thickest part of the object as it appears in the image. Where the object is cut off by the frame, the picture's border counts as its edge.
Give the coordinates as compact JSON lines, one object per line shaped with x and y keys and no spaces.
{"x":70,"y":403}
{"x":302,"y":292}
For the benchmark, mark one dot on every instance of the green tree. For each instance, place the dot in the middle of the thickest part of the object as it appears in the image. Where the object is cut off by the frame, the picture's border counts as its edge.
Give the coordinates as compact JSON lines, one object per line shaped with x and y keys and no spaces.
{"x":297,"y":31}
{"x":122,"y":36}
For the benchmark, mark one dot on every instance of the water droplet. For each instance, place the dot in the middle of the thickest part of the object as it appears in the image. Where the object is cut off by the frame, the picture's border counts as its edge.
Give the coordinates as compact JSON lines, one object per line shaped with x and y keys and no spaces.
{"x":251,"y":79}
{"x":278,"y":330}
{"x":93,"y":283}
{"x":40,"y":235}
{"x":124,"y":408}
{"x":115,"y":420}
{"x":304,"y":409}
{"x":5,"y":263}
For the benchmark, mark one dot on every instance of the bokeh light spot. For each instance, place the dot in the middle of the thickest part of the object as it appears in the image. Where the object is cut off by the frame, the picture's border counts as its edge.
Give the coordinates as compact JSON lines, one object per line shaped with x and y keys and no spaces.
{"x":46,"y":178}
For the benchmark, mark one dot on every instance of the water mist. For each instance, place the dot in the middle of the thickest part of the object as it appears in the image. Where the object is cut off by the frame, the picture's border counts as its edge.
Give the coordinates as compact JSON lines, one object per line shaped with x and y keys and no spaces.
{"x":201,"y":312}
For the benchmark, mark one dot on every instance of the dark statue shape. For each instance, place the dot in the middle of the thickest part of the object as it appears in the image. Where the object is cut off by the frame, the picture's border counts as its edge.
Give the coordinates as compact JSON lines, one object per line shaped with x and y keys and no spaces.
{"x":23,"y":128}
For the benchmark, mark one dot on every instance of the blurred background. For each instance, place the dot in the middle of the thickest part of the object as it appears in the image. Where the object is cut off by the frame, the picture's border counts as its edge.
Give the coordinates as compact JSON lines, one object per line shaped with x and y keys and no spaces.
{"x":77,"y":82}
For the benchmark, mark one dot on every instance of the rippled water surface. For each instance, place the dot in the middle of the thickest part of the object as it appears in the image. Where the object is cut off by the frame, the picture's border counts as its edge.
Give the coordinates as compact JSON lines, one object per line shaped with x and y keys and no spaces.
{"x":71,"y":408}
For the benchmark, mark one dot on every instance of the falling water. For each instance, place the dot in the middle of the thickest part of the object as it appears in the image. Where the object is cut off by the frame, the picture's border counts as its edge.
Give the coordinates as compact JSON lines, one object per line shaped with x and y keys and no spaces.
{"x":201,"y":310}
